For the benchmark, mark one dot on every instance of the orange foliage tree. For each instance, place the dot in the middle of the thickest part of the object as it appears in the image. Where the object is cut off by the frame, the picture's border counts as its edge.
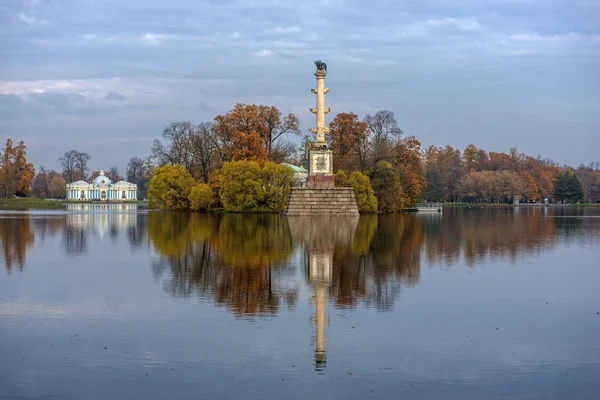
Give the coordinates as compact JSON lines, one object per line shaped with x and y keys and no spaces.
{"x":15,"y":172}
{"x":348,"y":141}
{"x":407,"y":158}
{"x":448,"y":162}
{"x":252,"y":132}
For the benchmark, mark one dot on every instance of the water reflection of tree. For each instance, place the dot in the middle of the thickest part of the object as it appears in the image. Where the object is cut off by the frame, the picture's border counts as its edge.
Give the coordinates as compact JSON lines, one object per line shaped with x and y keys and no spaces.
{"x":485,"y":234}
{"x":16,"y":236}
{"x":136,"y":234}
{"x":384,"y":256}
{"x":75,"y":239}
{"x":235,"y":260}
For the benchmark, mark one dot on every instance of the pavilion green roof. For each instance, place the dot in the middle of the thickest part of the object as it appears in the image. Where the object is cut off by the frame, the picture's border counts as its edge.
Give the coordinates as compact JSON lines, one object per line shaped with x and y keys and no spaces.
{"x":295,"y":168}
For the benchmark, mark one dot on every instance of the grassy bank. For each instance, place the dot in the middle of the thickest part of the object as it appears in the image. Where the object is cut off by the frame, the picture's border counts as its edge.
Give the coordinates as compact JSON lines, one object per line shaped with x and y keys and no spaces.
{"x":31,"y":203}
{"x":27,"y":203}
{"x":457,"y":205}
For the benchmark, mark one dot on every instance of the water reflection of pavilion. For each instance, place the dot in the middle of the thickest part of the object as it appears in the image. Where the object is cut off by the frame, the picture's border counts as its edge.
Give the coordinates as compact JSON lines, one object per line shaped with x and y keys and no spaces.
{"x":84,"y":220}
{"x":319,"y":236}
{"x":101,"y":217}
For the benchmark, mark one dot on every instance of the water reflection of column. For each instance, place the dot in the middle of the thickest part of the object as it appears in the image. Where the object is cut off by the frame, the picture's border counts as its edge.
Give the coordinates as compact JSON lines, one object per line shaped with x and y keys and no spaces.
{"x":320,"y":268}
{"x":320,"y":236}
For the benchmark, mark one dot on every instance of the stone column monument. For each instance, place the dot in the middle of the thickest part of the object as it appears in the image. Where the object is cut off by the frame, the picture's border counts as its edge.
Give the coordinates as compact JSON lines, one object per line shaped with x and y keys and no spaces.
{"x":320,"y":196}
{"x":321,"y":161}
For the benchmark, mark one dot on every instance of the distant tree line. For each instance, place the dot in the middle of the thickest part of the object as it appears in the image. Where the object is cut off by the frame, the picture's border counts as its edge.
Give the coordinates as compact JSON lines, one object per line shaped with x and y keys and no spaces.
{"x":477,"y":176}
{"x":398,"y":170}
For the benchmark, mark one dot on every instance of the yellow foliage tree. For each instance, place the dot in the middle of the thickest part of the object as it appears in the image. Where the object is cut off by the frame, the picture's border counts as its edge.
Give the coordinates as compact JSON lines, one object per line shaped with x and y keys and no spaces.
{"x":240,"y":185}
{"x":276,"y":181}
{"x":170,"y":188}
{"x":15,"y":172}
{"x":201,"y":197}
{"x":245,"y":186}
{"x":363,"y":192}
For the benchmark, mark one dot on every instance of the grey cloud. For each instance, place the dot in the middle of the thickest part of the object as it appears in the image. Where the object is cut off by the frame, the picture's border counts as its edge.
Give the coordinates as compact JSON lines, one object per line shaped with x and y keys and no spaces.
{"x":454,"y":71}
{"x":115,"y":96}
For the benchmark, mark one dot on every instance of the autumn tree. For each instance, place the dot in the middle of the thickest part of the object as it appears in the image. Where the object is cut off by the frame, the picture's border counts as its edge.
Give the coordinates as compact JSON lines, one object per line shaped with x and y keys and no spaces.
{"x":114,"y":175}
{"x":177,"y":149}
{"x":201,"y":197}
{"x":67,"y":163}
{"x":74,"y":165}
{"x":139,"y":171}
{"x":385,"y":181}
{"x":492,"y":186}
{"x":135,"y":170}
{"x":248,"y":146}
{"x":448,"y":163}
{"x":407,"y":159}
{"x":589,"y":176}
{"x":170,"y":188}
{"x":383,"y":130}
{"x":40,"y":183}
{"x":205,"y":148}
{"x":348,"y":140}
{"x":474,"y":159}
{"x":245,"y":185}
{"x":57,"y":187}
{"x":81,"y":167}
{"x":363,"y":191}
{"x":253,"y":132}
{"x":15,"y":172}
{"x":275,"y":126}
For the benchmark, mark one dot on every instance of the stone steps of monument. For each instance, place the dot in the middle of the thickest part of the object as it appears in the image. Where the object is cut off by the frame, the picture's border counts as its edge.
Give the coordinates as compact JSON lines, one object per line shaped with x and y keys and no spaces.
{"x":309,"y":202}
{"x":328,"y":207}
{"x":320,"y":202}
{"x":333,"y":201}
{"x":332,"y":197}
{"x":321,"y":208}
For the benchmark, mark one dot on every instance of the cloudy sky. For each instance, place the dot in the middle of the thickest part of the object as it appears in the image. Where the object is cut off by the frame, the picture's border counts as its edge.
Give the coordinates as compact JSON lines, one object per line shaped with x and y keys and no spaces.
{"x":106,"y":76}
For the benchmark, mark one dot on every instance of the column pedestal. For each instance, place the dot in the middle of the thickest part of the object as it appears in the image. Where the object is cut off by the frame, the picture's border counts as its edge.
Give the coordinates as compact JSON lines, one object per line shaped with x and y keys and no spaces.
{"x":321,"y":170}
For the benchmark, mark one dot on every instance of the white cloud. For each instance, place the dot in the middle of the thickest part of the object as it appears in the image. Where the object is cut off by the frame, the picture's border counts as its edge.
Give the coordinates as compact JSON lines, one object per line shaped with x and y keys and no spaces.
{"x":30,"y":20}
{"x":435,"y":27}
{"x":153,"y":39}
{"x":285,"y":29}
{"x":26,"y":19}
{"x":263,"y":53}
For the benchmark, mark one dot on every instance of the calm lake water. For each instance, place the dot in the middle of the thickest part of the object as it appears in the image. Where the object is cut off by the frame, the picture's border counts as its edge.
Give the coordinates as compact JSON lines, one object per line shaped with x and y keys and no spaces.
{"x":116,"y":302}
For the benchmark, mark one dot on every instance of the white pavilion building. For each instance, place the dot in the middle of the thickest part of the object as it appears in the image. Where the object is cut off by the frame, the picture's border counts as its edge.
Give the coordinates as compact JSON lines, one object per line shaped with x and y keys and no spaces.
{"x":103,"y":189}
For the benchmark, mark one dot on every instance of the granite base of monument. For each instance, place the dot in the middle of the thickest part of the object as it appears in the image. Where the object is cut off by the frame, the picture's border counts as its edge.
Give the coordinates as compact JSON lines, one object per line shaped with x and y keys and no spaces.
{"x":320,"y":182}
{"x":332,"y":201}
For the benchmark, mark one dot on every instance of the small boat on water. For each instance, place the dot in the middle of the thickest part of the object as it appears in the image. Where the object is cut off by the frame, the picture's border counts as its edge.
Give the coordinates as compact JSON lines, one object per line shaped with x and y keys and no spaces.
{"x":435,"y":207}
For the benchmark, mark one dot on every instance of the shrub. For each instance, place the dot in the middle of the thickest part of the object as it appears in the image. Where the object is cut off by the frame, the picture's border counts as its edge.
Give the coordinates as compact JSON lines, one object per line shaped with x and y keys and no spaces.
{"x":363,"y":192}
{"x":245,"y":186}
{"x":170,"y":188}
{"x":385,"y":181}
{"x":341,"y":179}
{"x":240,"y":185}
{"x":201,"y":197}
{"x":276,"y":181}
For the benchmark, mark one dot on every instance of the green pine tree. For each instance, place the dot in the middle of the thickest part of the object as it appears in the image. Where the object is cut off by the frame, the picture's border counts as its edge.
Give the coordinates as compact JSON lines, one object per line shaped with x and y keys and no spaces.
{"x":433,"y":189}
{"x":567,"y":188}
{"x":575,"y":189}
